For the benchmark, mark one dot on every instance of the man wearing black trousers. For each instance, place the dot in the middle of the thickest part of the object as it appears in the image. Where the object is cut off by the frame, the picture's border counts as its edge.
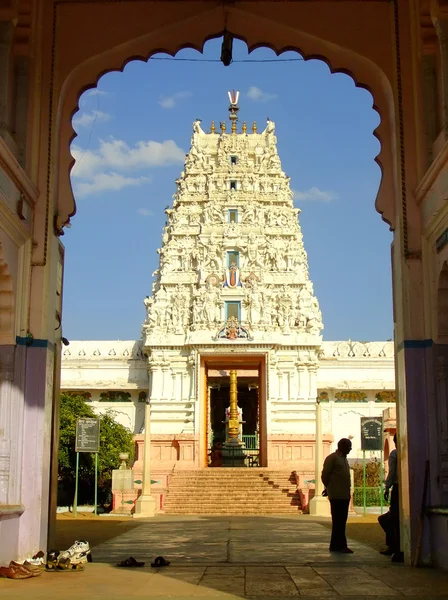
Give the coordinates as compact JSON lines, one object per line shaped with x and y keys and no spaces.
{"x":392,"y":482}
{"x":336,"y":479}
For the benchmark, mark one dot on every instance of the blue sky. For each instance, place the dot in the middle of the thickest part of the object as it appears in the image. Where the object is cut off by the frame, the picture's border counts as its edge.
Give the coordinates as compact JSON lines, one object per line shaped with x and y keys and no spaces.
{"x":133,"y":133}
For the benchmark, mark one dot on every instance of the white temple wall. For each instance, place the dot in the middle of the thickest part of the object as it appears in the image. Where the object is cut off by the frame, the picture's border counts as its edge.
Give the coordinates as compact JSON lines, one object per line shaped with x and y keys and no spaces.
{"x":293,"y":383}
{"x":343,"y":420}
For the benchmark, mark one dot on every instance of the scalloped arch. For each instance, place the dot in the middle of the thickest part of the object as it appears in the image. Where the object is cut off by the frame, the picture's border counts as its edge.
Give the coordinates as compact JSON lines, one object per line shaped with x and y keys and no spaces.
{"x":7,"y":311}
{"x":193,"y":33}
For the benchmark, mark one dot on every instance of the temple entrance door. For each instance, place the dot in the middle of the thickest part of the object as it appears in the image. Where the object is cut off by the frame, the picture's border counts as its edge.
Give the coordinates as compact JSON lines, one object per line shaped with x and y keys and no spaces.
{"x":249,"y":430}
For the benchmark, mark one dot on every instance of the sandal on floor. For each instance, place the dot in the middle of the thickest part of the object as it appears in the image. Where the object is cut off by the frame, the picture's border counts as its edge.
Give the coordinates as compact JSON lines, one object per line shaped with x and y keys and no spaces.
{"x":160,"y":562}
{"x":130,"y":562}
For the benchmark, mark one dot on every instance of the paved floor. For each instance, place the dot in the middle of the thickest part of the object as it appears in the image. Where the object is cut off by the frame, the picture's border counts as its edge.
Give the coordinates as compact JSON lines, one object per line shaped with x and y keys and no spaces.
{"x":230,"y":558}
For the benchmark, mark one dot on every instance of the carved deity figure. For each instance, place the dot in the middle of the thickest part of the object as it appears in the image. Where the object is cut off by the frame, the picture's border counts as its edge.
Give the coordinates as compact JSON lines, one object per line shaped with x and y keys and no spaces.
{"x":198,"y":306}
{"x":254,"y":252}
{"x":179,"y":305}
{"x":253,"y":301}
{"x":250,"y":211}
{"x":211,"y":304}
{"x":314,"y":319}
{"x":268,"y":313}
{"x":286,"y":312}
{"x":213,"y":214}
{"x":213,"y":254}
{"x":150,"y":317}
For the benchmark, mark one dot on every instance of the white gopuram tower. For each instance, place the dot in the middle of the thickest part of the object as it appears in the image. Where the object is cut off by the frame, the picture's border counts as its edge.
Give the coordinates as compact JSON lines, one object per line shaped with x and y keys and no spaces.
{"x":232,"y":294}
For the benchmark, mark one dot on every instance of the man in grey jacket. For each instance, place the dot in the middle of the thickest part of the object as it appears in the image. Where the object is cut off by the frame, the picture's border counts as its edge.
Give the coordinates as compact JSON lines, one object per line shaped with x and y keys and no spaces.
{"x":336,"y":479}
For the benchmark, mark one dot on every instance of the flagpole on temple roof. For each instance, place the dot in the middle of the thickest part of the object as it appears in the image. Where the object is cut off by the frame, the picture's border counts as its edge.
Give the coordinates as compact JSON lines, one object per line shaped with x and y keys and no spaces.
{"x":233,"y":108}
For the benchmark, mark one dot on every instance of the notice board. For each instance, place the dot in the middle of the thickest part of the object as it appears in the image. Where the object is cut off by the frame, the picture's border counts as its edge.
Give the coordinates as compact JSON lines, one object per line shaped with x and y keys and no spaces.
{"x":87,"y":435}
{"x":371,"y":433}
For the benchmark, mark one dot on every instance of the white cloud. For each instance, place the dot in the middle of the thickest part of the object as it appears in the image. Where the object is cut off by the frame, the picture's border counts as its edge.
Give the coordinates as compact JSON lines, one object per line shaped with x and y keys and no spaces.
{"x":115,"y":164}
{"x":315,"y":194}
{"x":173,"y":100}
{"x":111,"y":182}
{"x":96,"y":92}
{"x":85,"y":119}
{"x":145,"y":212}
{"x":117,"y":155}
{"x":257,"y":95}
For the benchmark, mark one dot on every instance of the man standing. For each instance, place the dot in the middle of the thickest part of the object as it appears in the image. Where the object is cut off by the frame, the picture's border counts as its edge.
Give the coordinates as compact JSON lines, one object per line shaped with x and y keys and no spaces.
{"x":336,"y":479}
{"x":392,"y":482}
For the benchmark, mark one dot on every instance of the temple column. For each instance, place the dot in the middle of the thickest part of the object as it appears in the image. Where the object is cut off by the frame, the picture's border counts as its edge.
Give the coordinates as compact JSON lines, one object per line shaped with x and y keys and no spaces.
{"x":305,"y":384}
{"x":184,"y":386}
{"x":146,"y":505}
{"x":301,"y":381}
{"x":319,"y":506}
{"x":165,"y":384}
{"x":191,"y":363}
{"x":156,"y":381}
{"x":312,"y":389}
{"x":175,"y":384}
{"x":284,"y":386}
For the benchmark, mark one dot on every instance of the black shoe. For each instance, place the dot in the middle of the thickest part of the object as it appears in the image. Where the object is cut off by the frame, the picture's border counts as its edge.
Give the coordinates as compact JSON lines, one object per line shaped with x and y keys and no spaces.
{"x":397,"y":557}
{"x":342,"y":550}
{"x":387,"y":552}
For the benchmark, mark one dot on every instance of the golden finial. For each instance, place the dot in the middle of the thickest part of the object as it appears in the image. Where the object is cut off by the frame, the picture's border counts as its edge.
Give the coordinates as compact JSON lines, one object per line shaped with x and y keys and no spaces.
{"x":212,"y":128}
{"x":233,"y":126}
{"x":244,"y":127}
{"x":223,"y":127}
{"x":254,"y":128}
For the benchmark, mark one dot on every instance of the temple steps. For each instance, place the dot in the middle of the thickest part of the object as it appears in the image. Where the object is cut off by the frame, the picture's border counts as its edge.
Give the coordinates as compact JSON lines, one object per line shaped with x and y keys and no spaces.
{"x":232,"y":491}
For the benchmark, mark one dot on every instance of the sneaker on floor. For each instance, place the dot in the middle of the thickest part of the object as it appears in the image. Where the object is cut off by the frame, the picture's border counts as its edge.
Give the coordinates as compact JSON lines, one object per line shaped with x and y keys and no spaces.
{"x":346,"y":551}
{"x":79,"y":549}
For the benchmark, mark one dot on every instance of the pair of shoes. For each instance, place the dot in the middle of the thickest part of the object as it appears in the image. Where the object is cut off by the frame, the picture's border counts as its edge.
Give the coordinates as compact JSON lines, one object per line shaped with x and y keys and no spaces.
{"x":387,"y":552}
{"x":342,"y":550}
{"x":56,"y":561}
{"x":397,"y":557}
{"x":16,"y":571}
{"x":130,"y":562}
{"x":35,"y":570}
{"x":78,"y":553}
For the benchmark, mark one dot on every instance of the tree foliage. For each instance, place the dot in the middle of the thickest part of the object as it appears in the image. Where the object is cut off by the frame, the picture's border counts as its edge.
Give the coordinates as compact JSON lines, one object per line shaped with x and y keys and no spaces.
{"x":114,"y":439}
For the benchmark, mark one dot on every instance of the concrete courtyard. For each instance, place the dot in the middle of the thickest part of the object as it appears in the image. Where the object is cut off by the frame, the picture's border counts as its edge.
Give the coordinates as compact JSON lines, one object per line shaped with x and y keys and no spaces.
{"x":229,"y":558}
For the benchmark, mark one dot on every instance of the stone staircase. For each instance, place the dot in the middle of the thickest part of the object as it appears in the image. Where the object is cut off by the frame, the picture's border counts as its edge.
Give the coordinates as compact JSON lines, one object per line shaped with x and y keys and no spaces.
{"x":232,"y":491}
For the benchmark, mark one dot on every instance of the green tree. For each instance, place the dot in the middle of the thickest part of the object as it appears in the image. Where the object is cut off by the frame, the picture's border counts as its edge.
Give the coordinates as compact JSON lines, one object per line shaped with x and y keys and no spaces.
{"x":114,"y":439}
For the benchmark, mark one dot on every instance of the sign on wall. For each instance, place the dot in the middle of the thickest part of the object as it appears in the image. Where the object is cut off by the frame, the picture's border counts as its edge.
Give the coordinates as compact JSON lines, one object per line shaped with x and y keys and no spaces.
{"x":371,"y":433}
{"x":87,"y":435}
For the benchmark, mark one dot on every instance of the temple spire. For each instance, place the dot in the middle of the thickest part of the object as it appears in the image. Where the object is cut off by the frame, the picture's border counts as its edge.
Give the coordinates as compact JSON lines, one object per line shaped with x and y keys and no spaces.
{"x":233,"y":108}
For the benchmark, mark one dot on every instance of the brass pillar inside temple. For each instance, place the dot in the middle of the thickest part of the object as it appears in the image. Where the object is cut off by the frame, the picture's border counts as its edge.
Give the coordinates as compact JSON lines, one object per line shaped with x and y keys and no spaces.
{"x":233,"y":416}
{"x":233,"y":450}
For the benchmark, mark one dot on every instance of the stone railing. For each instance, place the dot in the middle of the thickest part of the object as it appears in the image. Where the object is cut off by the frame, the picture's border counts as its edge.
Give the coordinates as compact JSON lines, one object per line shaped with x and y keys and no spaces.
{"x":350,"y":349}
{"x":103,"y":350}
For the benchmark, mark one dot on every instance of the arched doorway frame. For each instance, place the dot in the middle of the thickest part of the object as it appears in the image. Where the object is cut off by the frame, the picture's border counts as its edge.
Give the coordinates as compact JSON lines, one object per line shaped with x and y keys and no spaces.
{"x":339,"y":36}
{"x":193,"y":32}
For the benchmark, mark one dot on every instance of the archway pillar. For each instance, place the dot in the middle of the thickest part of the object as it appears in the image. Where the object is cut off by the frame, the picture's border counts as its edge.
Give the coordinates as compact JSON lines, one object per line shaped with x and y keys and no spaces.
{"x":413,"y":359}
